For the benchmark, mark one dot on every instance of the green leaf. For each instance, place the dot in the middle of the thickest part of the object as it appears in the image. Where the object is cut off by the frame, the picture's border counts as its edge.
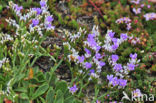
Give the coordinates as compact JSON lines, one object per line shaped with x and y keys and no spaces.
{"x":56,"y":66}
{"x":69,"y":100}
{"x":47,"y":75}
{"x":42,"y":99}
{"x":31,"y":91}
{"x":52,"y":79}
{"x":41,"y":90}
{"x":59,"y":97}
{"x":24,"y":96}
{"x":40,"y":77}
{"x":19,"y":77}
{"x":20,"y":89}
{"x":1,"y":7}
{"x":62,"y":85}
{"x":50,"y":95}
{"x":23,"y":101}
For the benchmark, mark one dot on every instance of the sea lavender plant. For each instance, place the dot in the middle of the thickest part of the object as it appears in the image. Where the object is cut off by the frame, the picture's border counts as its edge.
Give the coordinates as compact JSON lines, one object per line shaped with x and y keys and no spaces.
{"x":35,"y":15}
{"x":29,"y":33}
{"x":122,"y":71}
{"x":92,"y":59}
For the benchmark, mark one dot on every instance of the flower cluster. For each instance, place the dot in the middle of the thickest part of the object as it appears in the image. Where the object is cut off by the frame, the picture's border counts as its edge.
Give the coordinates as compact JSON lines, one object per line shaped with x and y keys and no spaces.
{"x":92,"y":59}
{"x":76,"y":36}
{"x":92,"y":40}
{"x":35,"y":15}
{"x":110,"y":39}
{"x":121,"y":71}
{"x":73,"y":89}
{"x":115,"y":81}
{"x":125,"y":20}
{"x":5,"y":37}
{"x":150,"y":16}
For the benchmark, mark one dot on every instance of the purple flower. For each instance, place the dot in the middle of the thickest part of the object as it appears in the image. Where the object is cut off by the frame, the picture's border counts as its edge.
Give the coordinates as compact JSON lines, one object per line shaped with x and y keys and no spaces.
{"x":148,"y":6}
{"x":101,"y":63}
{"x":123,"y":20}
{"x":124,"y":36}
{"x":88,"y":65}
{"x":73,"y":89}
{"x":117,"y":67}
{"x":128,"y":26}
{"x":137,"y":93}
{"x":135,"y":1}
{"x":98,"y":48}
{"x":38,"y":10}
{"x":110,"y":77}
{"x":87,"y":51}
{"x":137,"y":11}
{"x":18,"y":8}
{"x":98,"y":101}
{"x":150,"y":16}
{"x":35,"y":22}
{"x":142,"y":5}
{"x":133,"y":56}
{"x":115,"y":46}
{"x":115,"y":40}
{"x":131,"y":66}
{"x":114,"y":102}
{"x":111,"y":34}
{"x":98,"y":56}
{"x":48,"y":25}
{"x":92,"y":71}
{"x":42,"y":3}
{"x":91,"y":41}
{"x":122,"y":82}
{"x":115,"y":58}
{"x":115,"y":81}
{"x":81,"y":59}
{"x":91,"y":35}
{"x":49,"y":18}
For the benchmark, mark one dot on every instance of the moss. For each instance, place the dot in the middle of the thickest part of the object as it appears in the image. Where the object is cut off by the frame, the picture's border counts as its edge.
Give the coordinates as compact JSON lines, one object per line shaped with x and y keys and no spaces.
{"x":1,"y":7}
{"x":67,"y":17}
{"x":102,"y":25}
{"x":60,"y":20}
{"x":73,"y":24}
{"x":105,"y":17}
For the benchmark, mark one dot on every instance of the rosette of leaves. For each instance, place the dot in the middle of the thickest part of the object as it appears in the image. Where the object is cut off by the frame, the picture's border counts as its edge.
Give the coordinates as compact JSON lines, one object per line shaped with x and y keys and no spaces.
{"x":21,"y":83}
{"x":38,"y":87}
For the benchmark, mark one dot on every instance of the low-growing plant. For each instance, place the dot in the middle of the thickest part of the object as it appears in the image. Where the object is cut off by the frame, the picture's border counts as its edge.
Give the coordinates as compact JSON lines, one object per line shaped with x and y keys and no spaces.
{"x":102,"y":64}
{"x":20,"y":80}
